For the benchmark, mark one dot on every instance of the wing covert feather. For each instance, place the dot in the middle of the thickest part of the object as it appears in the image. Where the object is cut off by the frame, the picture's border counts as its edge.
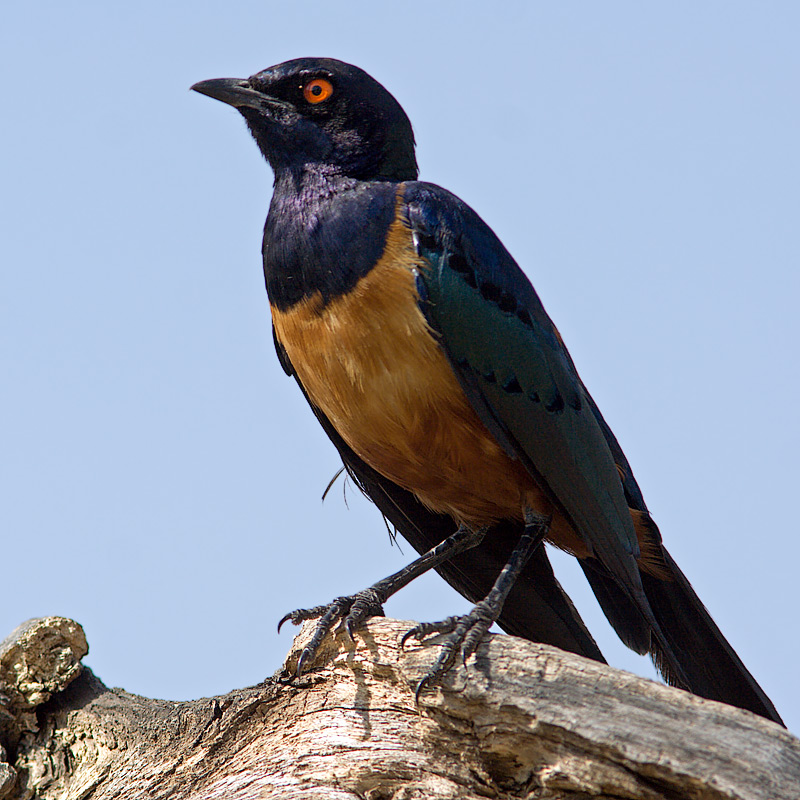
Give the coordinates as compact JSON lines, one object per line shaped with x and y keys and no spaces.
{"x":517,"y":373}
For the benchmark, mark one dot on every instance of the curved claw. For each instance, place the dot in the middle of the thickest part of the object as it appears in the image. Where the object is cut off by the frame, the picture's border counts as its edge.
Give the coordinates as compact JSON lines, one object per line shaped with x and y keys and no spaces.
{"x":420,"y":688}
{"x":284,"y":619}
{"x":300,"y":615}
{"x":301,"y":662}
{"x":424,"y":629}
{"x":439,"y":669}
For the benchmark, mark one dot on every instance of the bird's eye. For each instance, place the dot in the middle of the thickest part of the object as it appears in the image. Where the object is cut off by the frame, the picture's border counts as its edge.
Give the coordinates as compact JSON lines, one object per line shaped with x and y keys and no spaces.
{"x":317,"y":90}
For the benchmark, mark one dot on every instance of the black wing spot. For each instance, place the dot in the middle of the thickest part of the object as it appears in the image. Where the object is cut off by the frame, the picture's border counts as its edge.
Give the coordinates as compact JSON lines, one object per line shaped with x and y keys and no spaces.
{"x":491,"y":292}
{"x":512,"y":386}
{"x":524,"y":317}
{"x":556,"y":405}
{"x":504,"y":300}
{"x":489,"y":377}
{"x":534,"y":396}
{"x":575,"y":402}
{"x":458,"y":263}
{"x":507,"y":302}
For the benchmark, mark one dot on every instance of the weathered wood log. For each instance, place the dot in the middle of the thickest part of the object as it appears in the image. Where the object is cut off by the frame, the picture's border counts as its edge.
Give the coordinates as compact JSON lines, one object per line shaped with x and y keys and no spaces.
{"x":522,"y":720}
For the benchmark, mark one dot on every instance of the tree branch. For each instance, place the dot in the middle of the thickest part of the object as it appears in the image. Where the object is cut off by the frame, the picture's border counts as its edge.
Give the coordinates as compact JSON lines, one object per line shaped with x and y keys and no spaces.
{"x":522,"y":720}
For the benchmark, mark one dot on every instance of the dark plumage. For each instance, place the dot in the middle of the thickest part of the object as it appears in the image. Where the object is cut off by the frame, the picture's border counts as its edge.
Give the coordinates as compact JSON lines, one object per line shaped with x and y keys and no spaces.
{"x":431,"y":364}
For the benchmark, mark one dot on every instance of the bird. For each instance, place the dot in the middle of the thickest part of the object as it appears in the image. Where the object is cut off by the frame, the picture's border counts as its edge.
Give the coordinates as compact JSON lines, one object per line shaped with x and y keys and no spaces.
{"x":428,"y":359}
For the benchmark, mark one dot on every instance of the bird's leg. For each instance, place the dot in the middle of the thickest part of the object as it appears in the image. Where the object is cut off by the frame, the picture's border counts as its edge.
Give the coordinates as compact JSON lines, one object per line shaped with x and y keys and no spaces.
{"x":357,"y":608}
{"x":467,"y":632}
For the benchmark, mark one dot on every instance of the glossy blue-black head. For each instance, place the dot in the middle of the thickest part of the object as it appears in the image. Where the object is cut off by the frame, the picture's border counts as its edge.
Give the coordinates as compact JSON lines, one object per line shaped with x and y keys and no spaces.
{"x":319,"y":112}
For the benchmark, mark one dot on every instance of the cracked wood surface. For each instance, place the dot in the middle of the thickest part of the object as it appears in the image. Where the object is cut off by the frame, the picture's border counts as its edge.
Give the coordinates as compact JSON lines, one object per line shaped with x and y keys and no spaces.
{"x":521,"y":721}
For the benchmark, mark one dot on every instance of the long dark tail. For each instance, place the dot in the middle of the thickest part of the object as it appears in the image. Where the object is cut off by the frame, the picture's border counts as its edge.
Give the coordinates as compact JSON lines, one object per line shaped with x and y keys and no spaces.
{"x":702,"y":654}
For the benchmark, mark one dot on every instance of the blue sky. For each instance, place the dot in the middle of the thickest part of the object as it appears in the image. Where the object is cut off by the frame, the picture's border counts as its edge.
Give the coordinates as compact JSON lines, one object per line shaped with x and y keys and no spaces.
{"x":160,"y":478}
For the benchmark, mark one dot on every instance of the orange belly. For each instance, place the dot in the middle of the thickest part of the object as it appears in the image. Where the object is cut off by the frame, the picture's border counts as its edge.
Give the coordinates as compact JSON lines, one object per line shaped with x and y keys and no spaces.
{"x":371,"y":364}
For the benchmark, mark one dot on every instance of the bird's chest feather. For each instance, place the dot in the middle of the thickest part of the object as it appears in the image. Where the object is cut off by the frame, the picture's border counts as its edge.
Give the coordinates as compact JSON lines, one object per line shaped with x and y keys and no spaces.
{"x":369,"y":361}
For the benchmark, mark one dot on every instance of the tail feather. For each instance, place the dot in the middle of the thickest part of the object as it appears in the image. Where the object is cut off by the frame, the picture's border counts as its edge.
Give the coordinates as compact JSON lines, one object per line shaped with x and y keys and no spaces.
{"x":696,"y":649}
{"x":712,"y":666}
{"x":626,"y":619}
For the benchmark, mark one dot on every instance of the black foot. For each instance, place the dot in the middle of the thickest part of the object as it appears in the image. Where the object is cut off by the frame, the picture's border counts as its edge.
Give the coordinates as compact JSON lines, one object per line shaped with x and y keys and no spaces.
{"x":358,"y":608}
{"x":464,"y":634}
{"x":352,"y":610}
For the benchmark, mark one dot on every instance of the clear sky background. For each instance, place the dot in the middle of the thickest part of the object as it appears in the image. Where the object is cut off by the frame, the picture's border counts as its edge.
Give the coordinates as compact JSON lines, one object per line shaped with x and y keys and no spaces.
{"x":160,"y":478}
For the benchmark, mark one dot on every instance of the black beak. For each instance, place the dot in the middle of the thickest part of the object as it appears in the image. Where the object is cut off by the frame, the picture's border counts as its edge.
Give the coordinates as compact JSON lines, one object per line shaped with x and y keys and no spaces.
{"x":233,"y":91}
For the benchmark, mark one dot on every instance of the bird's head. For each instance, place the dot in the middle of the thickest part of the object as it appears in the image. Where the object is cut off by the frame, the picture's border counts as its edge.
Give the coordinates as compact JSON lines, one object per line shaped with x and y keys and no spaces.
{"x":319,"y":112}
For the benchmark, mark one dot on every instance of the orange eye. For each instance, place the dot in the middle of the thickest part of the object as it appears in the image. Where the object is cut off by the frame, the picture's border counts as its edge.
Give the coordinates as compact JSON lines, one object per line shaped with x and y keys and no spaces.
{"x":317,"y":90}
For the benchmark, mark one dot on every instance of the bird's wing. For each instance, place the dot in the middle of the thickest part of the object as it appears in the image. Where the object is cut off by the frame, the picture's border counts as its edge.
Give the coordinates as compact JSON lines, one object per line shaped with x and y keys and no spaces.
{"x":517,"y":374}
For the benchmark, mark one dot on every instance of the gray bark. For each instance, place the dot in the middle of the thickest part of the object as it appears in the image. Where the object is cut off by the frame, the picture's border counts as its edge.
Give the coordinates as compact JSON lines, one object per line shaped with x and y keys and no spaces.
{"x":520,"y":721}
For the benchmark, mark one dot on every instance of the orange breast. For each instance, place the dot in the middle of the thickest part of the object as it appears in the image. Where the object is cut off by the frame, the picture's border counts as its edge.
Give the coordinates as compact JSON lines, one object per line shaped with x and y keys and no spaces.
{"x":371,"y":364}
